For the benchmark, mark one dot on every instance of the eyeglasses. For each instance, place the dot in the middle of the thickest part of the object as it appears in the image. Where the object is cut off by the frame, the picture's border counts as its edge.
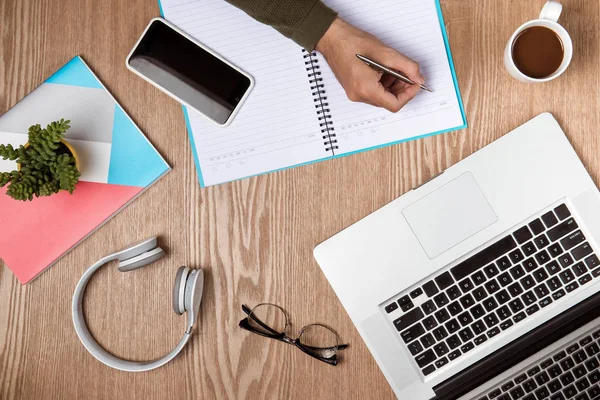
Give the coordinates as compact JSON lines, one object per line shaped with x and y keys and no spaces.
{"x":316,"y":340}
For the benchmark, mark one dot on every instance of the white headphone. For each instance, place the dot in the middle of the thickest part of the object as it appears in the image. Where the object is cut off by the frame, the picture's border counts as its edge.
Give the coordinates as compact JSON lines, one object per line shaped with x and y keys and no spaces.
{"x":187,"y":295}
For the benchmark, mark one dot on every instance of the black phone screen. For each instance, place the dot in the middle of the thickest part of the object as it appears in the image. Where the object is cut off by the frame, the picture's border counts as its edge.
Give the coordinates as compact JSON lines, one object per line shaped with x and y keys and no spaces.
{"x":189,"y":72}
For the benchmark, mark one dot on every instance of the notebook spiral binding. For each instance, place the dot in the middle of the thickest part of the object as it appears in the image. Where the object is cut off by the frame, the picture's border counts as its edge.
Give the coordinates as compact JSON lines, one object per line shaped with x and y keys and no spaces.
{"x":320,"y":98}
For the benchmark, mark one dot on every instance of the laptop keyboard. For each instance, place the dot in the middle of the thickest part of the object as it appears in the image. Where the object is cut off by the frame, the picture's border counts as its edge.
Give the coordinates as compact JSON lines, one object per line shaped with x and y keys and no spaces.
{"x":497,"y":288}
{"x":572,"y":372}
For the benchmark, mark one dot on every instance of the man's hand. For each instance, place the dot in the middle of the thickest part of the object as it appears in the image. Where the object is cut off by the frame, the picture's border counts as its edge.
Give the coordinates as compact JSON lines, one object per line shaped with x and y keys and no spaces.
{"x":339,"y":46}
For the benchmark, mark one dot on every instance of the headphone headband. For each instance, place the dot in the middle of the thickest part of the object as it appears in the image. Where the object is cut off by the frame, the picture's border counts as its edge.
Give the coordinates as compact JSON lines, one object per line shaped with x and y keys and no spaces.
{"x":131,"y":258}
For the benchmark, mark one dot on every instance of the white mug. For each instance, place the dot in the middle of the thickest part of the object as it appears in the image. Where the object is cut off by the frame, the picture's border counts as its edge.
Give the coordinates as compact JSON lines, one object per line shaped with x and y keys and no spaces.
{"x":548,"y":19}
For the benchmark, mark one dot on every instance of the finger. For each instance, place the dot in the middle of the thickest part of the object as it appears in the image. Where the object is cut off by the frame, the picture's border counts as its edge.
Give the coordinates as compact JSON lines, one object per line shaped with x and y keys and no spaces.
{"x":388,"y":81}
{"x":407,"y":94}
{"x":383,"y":98}
{"x":400,"y":62}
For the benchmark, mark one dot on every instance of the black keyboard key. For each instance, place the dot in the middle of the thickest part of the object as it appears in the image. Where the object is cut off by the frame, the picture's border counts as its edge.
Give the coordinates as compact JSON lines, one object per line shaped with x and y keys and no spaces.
{"x":491,"y":320}
{"x":515,"y":289}
{"x":566,"y":276}
{"x":407,"y":305}
{"x":570,"y":391}
{"x":580,"y":356}
{"x":529,"y":298}
{"x":592,"y":262}
{"x":522,"y":235}
{"x":533,"y":309}
{"x":527,"y":282}
{"x":516,"y":256}
{"x":425,"y":358}
{"x":562,"y":212}
{"x":555,"y":250}
{"x":554,"y":386}
{"x":503,"y":313}
{"x":467,"y":301}
{"x":490,"y":304}
{"x":579,"y":371}
{"x":465,"y":318}
{"x":545,"y":364}
{"x":454,"y":355}
{"x":484,"y":257}
{"x":452,"y":325}
{"x":503,"y":263}
{"x":540,"y":275}
{"x":493,"y":332}
{"x":507,"y":386}
{"x":565,"y":260}
{"x":478,"y":278}
{"x":545,"y":302}
{"x":533,"y":371}
{"x":594,"y":376}
{"x":506,"y":324}
{"x":542,"y":257}
{"x":572,"y":348}
{"x":585,"y":341}
{"x":430,"y":288}
{"x":541,"y":291}
{"x":453,"y":292}
{"x":582,"y":251}
{"x":541,"y":241}
{"x":391,"y":307}
{"x":429,"y":323}
{"x":554,"y":283}
{"x":567,"y":363}
{"x":582,"y":384}
{"x":517,"y":393}
{"x":530,"y":264}
{"x":554,"y":371}
{"x":441,"y":349}
{"x":529,"y":385}
{"x":428,"y":307}
{"x":567,"y":378}
{"x":553,"y":268}
{"x":465,"y":285}
{"x":440,"y":333}
{"x":479,"y":340}
{"x":492,"y":286}
{"x":415,"y":348}
{"x":428,"y":370}
{"x":490,"y":271}
{"x":442,"y":316}
{"x":561,"y":230}
{"x":536,"y":226}
{"x":502,"y":296}
{"x":519,"y":317}
{"x":592,"y":364}
{"x":441,"y":362}
{"x":444,"y":280}
{"x":416,"y":293}
{"x":520,"y":379}
{"x":453,"y":341}
{"x":454,"y":308}
{"x":517,"y":272}
{"x":549,"y":219}
{"x":571,"y":286}
{"x":596,"y":272}
{"x":505,"y":279}
{"x":516,"y":305}
{"x":559,"y":356}
{"x":477,"y":311}
{"x":441,"y":299}
{"x":494,"y":393}
{"x":542,"y":393}
{"x":558,"y":295}
{"x":528,"y":248}
{"x":466,"y":334}
{"x":408,"y":319}
{"x":572,"y":240}
{"x":467,"y":347}
{"x":412,"y":333}
{"x":479,"y":293}
{"x":585,"y":279}
{"x":594,"y":392}
{"x":478,"y":327}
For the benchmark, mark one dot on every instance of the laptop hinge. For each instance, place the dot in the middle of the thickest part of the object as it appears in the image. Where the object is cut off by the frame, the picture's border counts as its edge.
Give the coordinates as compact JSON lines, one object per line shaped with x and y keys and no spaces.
{"x":519,"y":349}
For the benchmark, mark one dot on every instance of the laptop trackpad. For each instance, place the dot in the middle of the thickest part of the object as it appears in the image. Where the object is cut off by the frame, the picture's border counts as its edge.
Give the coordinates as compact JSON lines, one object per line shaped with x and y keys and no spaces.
{"x":449,"y":215}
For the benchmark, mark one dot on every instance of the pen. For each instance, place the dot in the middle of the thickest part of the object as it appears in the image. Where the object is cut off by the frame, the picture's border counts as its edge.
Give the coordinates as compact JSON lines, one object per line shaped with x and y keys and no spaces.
{"x":389,"y":71}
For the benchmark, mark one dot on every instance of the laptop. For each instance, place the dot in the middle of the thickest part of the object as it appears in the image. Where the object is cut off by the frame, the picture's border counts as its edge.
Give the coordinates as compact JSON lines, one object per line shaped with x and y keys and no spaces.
{"x":483,"y":282}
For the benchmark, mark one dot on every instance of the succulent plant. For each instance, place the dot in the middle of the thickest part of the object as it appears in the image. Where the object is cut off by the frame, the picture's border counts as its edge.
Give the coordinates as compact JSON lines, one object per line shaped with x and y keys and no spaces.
{"x":46,"y":164}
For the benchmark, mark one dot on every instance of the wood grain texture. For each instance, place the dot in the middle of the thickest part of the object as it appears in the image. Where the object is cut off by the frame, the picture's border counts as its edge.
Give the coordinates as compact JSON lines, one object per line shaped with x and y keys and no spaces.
{"x":254,"y":237}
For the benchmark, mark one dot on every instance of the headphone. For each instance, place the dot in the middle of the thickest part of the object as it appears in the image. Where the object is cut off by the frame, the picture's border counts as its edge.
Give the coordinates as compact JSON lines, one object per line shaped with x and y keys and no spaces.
{"x":187,"y":295}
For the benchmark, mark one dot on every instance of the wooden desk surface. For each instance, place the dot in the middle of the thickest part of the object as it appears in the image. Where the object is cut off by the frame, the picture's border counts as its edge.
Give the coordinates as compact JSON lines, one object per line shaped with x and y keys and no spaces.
{"x":254,"y":238}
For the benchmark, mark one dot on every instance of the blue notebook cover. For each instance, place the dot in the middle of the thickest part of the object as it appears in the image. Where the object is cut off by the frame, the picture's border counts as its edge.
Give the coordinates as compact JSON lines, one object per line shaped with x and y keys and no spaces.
{"x":458,"y":95}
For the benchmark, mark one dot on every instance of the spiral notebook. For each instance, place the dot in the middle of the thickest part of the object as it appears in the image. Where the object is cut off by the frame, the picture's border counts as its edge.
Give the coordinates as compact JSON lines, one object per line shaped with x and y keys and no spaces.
{"x":298,"y":113}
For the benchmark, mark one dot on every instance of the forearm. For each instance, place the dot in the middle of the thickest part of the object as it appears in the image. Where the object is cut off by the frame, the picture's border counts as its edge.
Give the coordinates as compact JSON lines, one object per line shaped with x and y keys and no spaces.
{"x":303,"y":21}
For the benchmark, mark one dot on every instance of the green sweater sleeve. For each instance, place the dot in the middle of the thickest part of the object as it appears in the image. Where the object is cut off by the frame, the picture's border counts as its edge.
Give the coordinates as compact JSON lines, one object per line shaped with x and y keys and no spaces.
{"x":303,"y":21}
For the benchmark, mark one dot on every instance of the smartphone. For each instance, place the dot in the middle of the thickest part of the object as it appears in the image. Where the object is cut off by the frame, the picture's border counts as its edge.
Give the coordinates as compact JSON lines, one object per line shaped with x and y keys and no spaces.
{"x":189,"y":72}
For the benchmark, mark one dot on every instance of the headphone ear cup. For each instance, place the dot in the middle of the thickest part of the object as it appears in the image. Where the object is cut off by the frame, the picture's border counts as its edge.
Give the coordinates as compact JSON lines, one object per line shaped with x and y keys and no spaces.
{"x":179,"y":290}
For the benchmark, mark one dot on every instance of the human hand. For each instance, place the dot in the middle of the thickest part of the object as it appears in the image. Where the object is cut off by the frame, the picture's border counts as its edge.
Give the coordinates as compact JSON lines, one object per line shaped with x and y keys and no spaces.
{"x":339,"y":46}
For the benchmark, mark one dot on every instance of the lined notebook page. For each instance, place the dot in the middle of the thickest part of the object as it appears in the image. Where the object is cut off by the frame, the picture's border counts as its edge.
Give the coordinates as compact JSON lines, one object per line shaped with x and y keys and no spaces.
{"x":277,"y":126}
{"x":413,"y":28}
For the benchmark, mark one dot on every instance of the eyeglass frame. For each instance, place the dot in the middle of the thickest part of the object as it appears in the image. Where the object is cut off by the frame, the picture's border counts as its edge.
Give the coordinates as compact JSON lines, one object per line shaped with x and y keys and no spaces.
{"x":283,"y":337}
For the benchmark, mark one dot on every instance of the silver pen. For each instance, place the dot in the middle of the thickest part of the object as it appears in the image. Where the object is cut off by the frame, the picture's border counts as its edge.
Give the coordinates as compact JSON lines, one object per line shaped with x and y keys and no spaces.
{"x":386,"y":70}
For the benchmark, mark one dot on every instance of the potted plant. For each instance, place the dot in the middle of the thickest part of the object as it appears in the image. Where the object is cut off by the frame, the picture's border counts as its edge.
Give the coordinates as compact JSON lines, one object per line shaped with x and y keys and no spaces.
{"x":46,"y":165}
